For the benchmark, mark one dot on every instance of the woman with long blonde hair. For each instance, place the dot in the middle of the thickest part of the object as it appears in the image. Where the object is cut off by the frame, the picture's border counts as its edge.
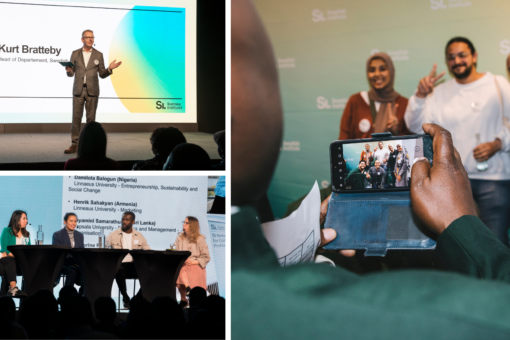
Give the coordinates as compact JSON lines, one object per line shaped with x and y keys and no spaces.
{"x":193,"y":272}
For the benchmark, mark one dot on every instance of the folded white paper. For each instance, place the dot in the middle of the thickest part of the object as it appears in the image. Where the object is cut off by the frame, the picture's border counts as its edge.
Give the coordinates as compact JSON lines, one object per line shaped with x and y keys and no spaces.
{"x":296,"y":237}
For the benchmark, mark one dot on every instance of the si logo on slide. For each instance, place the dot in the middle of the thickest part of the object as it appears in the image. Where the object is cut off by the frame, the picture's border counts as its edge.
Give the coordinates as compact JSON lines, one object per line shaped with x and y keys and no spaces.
{"x":160,"y":105}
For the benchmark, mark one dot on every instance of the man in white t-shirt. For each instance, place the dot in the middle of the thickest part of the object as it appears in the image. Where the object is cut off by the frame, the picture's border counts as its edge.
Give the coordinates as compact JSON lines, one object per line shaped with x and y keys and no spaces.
{"x":126,"y":237}
{"x":382,"y":155}
{"x":475,"y":108}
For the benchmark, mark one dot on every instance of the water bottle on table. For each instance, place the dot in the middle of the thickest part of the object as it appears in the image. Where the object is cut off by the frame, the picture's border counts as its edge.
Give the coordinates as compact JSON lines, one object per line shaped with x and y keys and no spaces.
{"x":40,"y":236}
{"x":102,"y":239}
{"x":481,"y":166}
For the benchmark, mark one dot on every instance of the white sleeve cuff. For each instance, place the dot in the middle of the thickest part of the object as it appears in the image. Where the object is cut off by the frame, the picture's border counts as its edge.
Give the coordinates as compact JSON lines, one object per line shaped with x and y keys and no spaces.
{"x":504,"y":137}
{"x":417,"y":102}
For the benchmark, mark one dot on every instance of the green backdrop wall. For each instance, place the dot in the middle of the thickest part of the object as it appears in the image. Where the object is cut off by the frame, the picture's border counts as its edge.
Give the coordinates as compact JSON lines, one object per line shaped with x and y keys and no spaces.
{"x":321,"y":48}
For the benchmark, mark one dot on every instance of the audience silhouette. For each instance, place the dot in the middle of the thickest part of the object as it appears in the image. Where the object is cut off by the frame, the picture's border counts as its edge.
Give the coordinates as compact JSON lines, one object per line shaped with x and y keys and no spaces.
{"x":92,"y":150}
{"x":163,"y":141}
{"x":188,"y":156}
{"x":219,"y":138}
{"x":105,"y":310}
{"x":170,"y":319}
{"x":10,"y":330}
{"x":39,"y":317}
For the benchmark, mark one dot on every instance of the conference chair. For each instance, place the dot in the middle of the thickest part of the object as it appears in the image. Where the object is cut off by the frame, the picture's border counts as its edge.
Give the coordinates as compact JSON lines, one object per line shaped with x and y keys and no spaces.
{"x":128,"y":277}
{"x":4,"y":286}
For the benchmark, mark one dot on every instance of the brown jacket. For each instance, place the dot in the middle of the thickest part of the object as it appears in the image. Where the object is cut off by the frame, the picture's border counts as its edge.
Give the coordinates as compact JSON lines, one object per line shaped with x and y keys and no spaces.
{"x":94,"y":68}
{"x":138,"y":241}
{"x":368,"y":160}
{"x":357,"y":110}
{"x":199,"y":250}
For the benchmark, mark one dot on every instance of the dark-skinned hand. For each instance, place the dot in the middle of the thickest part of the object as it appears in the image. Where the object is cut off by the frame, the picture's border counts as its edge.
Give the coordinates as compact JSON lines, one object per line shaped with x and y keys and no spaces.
{"x":486,"y":150}
{"x":441,"y":194}
{"x":329,"y":234}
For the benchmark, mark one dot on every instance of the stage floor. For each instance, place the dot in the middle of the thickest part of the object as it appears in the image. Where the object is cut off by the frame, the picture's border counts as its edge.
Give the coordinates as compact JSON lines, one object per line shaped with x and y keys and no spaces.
{"x":49,"y":147}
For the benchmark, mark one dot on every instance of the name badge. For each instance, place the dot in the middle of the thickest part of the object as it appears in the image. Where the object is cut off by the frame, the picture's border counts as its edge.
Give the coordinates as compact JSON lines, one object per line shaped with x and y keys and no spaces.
{"x":136,"y":242}
{"x":393,"y":156}
{"x":378,"y":173}
{"x":73,"y":244}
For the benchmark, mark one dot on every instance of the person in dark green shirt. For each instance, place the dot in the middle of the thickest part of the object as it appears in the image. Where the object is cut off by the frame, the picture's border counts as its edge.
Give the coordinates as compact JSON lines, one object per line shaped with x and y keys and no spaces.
{"x":357,"y":178}
{"x":308,"y":301}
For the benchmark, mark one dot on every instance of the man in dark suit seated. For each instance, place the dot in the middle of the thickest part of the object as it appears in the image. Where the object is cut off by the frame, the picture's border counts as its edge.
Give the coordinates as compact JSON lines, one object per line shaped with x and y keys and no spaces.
{"x":68,"y":236}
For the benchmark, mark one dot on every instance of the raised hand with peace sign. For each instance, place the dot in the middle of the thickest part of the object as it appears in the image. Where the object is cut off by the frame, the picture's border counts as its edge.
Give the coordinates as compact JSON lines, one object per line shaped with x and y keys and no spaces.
{"x":392,"y":125}
{"x":426,"y":84}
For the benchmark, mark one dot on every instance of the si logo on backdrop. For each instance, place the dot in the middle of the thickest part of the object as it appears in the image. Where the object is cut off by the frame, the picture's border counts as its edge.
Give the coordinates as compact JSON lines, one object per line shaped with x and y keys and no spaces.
{"x":160,"y":105}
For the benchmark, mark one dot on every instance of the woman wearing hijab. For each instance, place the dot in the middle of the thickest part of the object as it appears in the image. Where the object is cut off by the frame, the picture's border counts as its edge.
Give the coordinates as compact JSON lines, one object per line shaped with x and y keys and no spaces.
{"x":381,"y":109}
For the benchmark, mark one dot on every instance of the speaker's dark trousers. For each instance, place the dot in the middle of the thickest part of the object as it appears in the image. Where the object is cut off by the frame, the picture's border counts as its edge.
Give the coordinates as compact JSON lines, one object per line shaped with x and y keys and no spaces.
{"x":90,"y":103}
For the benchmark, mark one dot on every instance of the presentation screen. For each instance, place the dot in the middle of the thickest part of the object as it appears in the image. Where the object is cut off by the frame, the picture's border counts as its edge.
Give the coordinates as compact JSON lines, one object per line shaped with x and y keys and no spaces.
{"x":160,"y":204}
{"x":154,"y":40}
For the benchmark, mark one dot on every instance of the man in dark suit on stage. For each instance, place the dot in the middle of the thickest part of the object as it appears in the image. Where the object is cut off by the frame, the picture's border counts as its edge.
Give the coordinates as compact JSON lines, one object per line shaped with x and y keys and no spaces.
{"x":68,"y":236}
{"x":88,"y":63}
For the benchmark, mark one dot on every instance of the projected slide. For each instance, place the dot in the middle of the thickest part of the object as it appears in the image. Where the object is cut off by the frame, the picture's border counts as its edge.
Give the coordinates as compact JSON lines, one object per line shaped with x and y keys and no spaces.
{"x":156,"y":81}
{"x":160,"y":204}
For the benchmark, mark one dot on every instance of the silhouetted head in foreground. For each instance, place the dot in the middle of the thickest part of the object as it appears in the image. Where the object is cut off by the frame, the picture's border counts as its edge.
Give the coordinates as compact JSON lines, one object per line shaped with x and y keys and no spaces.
{"x":219,"y":138}
{"x":188,"y":157}
{"x":105,"y":310}
{"x":92,"y":143}
{"x":165,"y":139}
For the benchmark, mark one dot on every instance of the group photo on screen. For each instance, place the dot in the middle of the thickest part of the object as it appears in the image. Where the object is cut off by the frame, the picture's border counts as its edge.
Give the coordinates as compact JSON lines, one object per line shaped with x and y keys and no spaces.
{"x":380,"y":164}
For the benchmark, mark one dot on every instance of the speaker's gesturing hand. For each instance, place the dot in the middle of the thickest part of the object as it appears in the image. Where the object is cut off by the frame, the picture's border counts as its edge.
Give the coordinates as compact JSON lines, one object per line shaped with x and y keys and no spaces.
{"x":441,"y":194}
{"x":114,"y":64}
{"x":426,"y":84}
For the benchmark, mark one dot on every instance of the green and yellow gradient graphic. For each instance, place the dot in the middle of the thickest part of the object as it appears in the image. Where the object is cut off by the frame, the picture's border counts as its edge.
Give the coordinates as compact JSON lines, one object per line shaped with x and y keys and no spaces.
{"x":150,"y":42}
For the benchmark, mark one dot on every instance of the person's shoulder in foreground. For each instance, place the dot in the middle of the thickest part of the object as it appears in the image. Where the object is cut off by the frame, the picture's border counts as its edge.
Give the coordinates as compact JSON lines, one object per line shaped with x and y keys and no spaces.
{"x":337,"y":303}
{"x":78,"y":164}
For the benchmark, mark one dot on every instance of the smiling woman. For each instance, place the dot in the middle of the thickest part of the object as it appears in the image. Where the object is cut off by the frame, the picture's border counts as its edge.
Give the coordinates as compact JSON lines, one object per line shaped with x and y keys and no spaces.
{"x":379,"y":110}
